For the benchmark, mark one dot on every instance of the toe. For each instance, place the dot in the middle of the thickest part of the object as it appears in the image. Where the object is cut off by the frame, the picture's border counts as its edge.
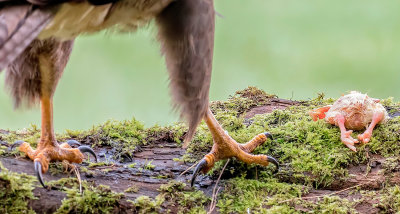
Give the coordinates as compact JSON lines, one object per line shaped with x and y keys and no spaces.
{"x":352,"y":147}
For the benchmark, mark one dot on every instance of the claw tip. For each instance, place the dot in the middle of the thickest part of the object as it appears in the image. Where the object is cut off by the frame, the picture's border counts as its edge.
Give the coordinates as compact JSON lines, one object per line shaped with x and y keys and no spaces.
{"x":38,"y":170}
{"x":199,"y":167}
{"x":275,"y":162}
{"x":268,"y":135}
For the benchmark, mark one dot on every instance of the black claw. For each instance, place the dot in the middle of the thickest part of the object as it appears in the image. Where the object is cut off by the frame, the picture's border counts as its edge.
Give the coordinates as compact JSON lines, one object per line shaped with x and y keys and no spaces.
{"x":275,"y":162}
{"x":87,"y":149}
{"x":199,"y":167}
{"x":268,"y":135}
{"x":73,"y":143}
{"x":16,"y":143}
{"x":38,"y":172}
{"x":127,"y":155}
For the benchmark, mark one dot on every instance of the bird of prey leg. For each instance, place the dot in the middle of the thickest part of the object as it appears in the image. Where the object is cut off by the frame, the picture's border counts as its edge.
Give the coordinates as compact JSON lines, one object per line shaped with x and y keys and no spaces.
{"x":225,"y":147}
{"x":48,"y":149}
{"x":36,"y":39}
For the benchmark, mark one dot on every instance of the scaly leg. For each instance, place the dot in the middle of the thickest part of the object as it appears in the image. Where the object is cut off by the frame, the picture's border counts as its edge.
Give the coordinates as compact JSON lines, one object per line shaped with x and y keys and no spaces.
{"x":48,"y":149}
{"x":345,"y":135}
{"x":366,"y":136}
{"x":225,"y":147}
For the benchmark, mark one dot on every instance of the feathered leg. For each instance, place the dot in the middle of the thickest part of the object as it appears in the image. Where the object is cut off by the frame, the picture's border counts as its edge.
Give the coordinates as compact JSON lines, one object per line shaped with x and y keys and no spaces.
{"x":186,"y":31}
{"x":42,"y":65}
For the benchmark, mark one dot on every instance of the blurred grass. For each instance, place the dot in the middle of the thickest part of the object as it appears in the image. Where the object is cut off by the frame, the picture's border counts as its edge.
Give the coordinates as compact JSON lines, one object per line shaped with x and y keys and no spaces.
{"x":294,"y":49}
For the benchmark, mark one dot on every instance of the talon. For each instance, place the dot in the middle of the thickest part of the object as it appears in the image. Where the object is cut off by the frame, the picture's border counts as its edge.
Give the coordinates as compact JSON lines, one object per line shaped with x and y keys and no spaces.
{"x":127,"y":155}
{"x":87,"y":149}
{"x":73,"y":143}
{"x":38,"y":172}
{"x":268,"y":135}
{"x":275,"y":162}
{"x":203,"y":163}
{"x":16,"y":143}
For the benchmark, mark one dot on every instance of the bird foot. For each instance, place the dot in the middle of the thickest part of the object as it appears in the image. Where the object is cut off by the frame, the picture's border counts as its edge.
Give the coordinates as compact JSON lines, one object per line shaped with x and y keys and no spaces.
{"x":47,"y":152}
{"x":225,"y":147}
{"x":348,"y":140}
{"x":365,"y":137}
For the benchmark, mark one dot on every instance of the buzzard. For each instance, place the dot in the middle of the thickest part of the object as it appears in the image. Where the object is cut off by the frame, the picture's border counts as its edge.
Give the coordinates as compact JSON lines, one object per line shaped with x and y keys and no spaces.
{"x":36,"y":39}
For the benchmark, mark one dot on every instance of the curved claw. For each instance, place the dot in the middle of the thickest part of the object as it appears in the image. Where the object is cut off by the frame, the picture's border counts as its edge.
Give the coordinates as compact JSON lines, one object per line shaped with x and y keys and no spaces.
{"x":73,"y":143}
{"x":268,"y":135}
{"x":127,"y":155}
{"x":87,"y":149}
{"x":16,"y":143}
{"x":38,"y":172}
{"x":200,"y":166}
{"x":275,"y":162}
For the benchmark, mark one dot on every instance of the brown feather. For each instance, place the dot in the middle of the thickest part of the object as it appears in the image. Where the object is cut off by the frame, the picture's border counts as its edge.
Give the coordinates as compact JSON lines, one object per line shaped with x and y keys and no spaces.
{"x":19,"y":26}
{"x":25,"y":77}
{"x":186,"y":32}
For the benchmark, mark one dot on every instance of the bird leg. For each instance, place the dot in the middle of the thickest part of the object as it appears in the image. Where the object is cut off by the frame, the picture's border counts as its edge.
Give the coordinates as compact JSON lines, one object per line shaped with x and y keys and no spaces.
{"x":345,"y":135}
{"x":366,"y":136}
{"x":225,"y":147}
{"x":48,"y":149}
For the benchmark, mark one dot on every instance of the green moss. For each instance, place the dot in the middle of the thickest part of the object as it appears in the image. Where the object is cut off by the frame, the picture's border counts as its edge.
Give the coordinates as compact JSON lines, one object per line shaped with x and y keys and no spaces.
{"x":124,"y":136}
{"x":60,"y":184}
{"x":243,"y":100}
{"x":98,"y":199}
{"x":241,"y":194}
{"x":132,"y":189}
{"x":391,"y":164}
{"x":330,"y":204}
{"x":390,"y":200}
{"x":173,"y":133}
{"x":15,"y":191}
{"x":3,"y":150}
{"x":144,"y":205}
{"x":149,"y":166}
{"x":30,"y":135}
{"x":310,"y":152}
{"x":92,"y":165}
{"x":56,"y":168}
{"x":174,"y":197}
{"x":133,"y":165}
{"x":184,"y":200}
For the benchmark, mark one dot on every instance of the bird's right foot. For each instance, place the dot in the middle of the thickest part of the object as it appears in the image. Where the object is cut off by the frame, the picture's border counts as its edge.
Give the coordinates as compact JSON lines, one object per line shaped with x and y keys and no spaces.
{"x":225,"y":147}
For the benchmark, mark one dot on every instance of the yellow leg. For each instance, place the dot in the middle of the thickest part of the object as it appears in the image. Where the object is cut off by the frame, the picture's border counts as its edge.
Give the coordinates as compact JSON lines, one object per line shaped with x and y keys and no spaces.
{"x":225,"y":147}
{"x":48,"y":149}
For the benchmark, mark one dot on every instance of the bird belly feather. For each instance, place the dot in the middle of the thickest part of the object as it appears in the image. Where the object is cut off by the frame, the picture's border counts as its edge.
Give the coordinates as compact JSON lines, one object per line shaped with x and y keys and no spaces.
{"x":73,"y":19}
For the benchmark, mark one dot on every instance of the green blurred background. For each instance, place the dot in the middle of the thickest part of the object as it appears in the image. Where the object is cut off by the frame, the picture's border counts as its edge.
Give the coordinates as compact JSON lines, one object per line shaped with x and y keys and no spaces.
{"x":291,"y":48}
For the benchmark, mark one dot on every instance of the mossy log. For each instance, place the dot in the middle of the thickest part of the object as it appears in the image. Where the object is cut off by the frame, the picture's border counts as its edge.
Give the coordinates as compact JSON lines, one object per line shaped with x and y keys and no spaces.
{"x":140,"y":169}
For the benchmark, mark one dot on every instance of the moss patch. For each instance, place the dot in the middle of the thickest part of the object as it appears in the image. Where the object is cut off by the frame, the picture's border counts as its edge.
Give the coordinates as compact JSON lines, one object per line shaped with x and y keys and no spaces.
{"x":310,"y":153}
{"x":184,"y":200}
{"x":98,"y":199}
{"x":390,"y":200}
{"x":15,"y":191}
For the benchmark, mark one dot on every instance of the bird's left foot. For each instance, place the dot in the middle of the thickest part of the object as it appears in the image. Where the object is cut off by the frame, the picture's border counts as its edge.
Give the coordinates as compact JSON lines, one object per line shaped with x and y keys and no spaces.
{"x":365,"y":137}
{"x":376,"y":118}
{"x":225,"y":147}
{"x":47,"y":152}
